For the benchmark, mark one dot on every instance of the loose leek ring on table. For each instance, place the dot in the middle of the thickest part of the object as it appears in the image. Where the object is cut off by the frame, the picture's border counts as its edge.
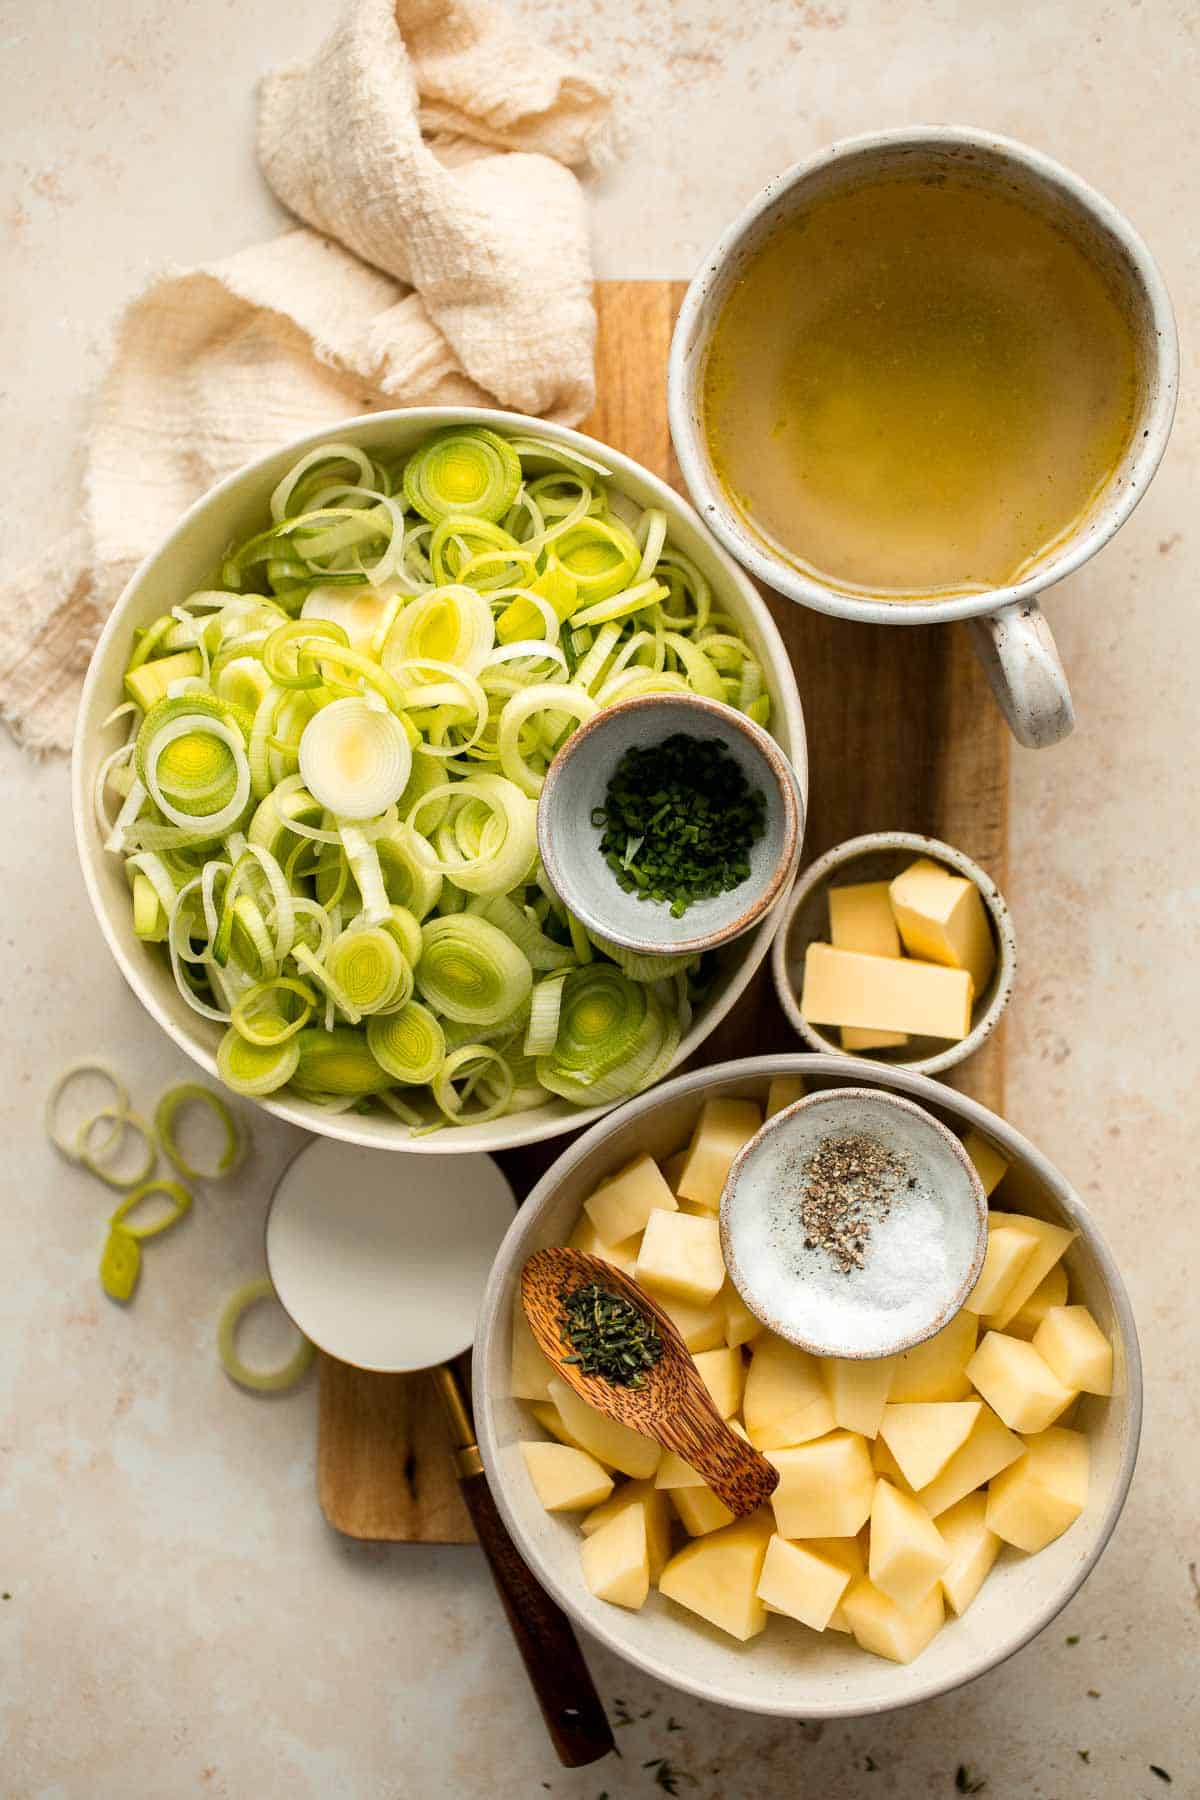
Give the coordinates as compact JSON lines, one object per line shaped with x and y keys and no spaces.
{"x":326,"y":801}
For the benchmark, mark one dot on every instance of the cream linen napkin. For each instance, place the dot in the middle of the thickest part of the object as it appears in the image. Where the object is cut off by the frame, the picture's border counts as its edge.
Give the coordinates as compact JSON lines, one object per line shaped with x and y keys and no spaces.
{"x":426,"y":147}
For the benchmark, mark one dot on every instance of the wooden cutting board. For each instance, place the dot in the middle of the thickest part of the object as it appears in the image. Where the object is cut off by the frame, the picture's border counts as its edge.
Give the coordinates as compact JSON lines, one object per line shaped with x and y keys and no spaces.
{"x":902,"y":735}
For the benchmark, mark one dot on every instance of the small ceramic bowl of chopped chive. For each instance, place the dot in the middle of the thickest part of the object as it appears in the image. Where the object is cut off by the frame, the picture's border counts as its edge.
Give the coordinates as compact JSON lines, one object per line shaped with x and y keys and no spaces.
{"x":670,"y":824}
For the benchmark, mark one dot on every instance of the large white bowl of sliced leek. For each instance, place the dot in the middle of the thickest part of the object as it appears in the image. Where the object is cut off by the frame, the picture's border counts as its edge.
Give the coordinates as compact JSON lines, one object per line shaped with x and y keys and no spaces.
{"x":934,"y":1511}
{"x":308,"y":756}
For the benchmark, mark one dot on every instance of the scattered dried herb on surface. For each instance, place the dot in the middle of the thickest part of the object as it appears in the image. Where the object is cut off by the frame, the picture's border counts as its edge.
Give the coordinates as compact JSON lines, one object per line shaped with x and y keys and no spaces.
{"x":847,"y":1186}
{"x":1074,"y":1638}
{"x":679,"y":820}
{"x":1084,"y":1755}
{"x":1161,"y":1773}
{"x":667,"y":1775}
{"x":609,"y":1335}
{"x":968,"y":1783}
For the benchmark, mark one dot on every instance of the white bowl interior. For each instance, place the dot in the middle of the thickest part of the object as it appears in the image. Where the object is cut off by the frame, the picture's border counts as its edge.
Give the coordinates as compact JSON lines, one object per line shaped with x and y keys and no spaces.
{"x":187,"y":561}
{"x":808,"y":922}
{"x":578,"y":787}
{"x":789,"y":1670}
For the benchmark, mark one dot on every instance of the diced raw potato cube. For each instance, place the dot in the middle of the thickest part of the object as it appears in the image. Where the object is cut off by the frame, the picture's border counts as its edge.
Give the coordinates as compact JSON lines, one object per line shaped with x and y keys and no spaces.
{"x":907,"y":1553}
{"x":942,"y":919}
{"x":798,"y":1582}
{"x":884,"y":1463}
{"x":858,"y":1390}
{"x":738,"y":1429}
{"x":531,"y":1371}
{"x":884,"y":1628}
{"x":673,"y":1472}
{"x":616,"y":1559}
{"x":741,"y":1326}
{"x":551,"y":1420}
{"x":603,"y":1438}
{"x":924,"y":1435}
{"x":620,"y":1207}
{"x":935,"y":1370}
{"x":673,"y":1168}
{"x":700,"y":1510}
{"x":973,"y":1549}
{"x":700,"y":1327}
{"x":724,"y":1126}
{"x":990,"y":1448}
{"x":723,"y":1373}
{"x":1008,"y":1250}
{"x":785,"y":1400}
{"x":718,"y":1576}
{"x":1034,"y":1500}
{"x":847,"y":1553}
{"x":825,"y":1487}
{"x":990,"y":1166}
{"x":1017,"y":1383}
{"x":565,"y":1480}
{"x":1051,"y":1292}
{"x":585,"y":1237}
{"x":656,"y":1509}
{"x":784,"y":1090}
{"x":681,"y":1257}
{"x":1052,"y":1242}
{"x":1074,"y":1346}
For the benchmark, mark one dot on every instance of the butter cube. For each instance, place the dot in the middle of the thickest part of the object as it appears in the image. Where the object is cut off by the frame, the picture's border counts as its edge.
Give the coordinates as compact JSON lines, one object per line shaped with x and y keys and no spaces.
{"x":1052,"y":1242}
{"x":801,"y":1584}
{"x":784,"y":1091}
{"x":936,"y":1369}
{"x":723,"y":1373}
{"x":1076,"y":1349}
{"x":656,"y":1511}
{"x":1050,"y":1292}
{"x":858,"y":1390}
{"x":531,"y":1371}
{"x":700,"y":1510}
{"x":973,"y":1549}
{"x":1034,"y":1500}
{"x":907,"y":1551}
{"x":990,"y":1166}
{"x":1017,"y":1383}
{"x":717,"y":1577}
{"x":861,"y":918}
{"x":825,"y":1487}
{"x":741,"y":1326}
{"x":942,"y":918}
{"x":990,"y":1448}
{"x":620,"y":1207}
{"x":565,"y":1480}
{"x":884,"y":1628}
{"x":924,"y":1436}
{"x":724,"y":1126}
{"x":605,"y":1439}
{"x":680,"y":1256}
{"x":843,"y":987}
{"x":785,"y":1401}
{"x":1009,"y":1249}
{"x":616,"y":1559}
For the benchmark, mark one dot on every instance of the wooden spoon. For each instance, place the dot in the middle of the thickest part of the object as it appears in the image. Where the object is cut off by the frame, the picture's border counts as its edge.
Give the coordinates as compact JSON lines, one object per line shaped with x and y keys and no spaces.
{"x":673,"y":1406}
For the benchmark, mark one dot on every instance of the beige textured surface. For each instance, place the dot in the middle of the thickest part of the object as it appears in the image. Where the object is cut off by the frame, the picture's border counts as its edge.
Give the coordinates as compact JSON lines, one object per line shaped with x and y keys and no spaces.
{"x":180,"y":1622}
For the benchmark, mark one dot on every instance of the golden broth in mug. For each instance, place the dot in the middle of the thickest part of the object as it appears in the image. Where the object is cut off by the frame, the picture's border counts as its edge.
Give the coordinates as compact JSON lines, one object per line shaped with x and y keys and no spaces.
{"x":916,"y":387}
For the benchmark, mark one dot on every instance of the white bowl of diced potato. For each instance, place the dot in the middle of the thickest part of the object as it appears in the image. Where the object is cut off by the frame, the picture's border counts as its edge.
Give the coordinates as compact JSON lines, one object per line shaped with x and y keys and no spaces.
{"x":933,"y":1513}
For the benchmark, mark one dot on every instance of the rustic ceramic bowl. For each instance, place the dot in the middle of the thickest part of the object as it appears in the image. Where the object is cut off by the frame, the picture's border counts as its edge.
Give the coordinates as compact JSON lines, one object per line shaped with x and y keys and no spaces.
{"x":931,"y":1152}
{"x":790,"y":1671}
{"x":880,"y":856}
{"x":576,"y":785}
{"x":185,"y":562}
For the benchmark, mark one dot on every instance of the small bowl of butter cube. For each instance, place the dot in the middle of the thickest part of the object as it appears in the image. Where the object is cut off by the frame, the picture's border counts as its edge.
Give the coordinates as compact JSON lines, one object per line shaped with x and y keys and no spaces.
{"x":896,"y":947}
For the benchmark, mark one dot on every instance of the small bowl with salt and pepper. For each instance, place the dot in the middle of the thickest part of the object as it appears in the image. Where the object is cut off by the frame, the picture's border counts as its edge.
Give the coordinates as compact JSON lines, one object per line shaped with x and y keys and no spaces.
{"x":853,"y":1224}
{"x":670,"y":824}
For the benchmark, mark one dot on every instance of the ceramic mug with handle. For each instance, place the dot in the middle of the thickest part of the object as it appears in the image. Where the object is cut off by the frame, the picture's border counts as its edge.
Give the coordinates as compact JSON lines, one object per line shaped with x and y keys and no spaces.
{"x":1011,"y":635}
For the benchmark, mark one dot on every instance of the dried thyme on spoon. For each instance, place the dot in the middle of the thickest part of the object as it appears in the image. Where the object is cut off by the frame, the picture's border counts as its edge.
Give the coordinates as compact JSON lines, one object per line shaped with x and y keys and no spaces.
{"x":609,"y":1335}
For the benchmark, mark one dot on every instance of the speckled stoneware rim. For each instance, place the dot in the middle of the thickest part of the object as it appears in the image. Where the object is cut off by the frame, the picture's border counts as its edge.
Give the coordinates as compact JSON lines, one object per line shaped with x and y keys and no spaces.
{"x":928,"y":143}
{"x":833,"y":1099}
{"x":837,"y":861}
{"x":775,"y":767}
{"x":625,"y":1633}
